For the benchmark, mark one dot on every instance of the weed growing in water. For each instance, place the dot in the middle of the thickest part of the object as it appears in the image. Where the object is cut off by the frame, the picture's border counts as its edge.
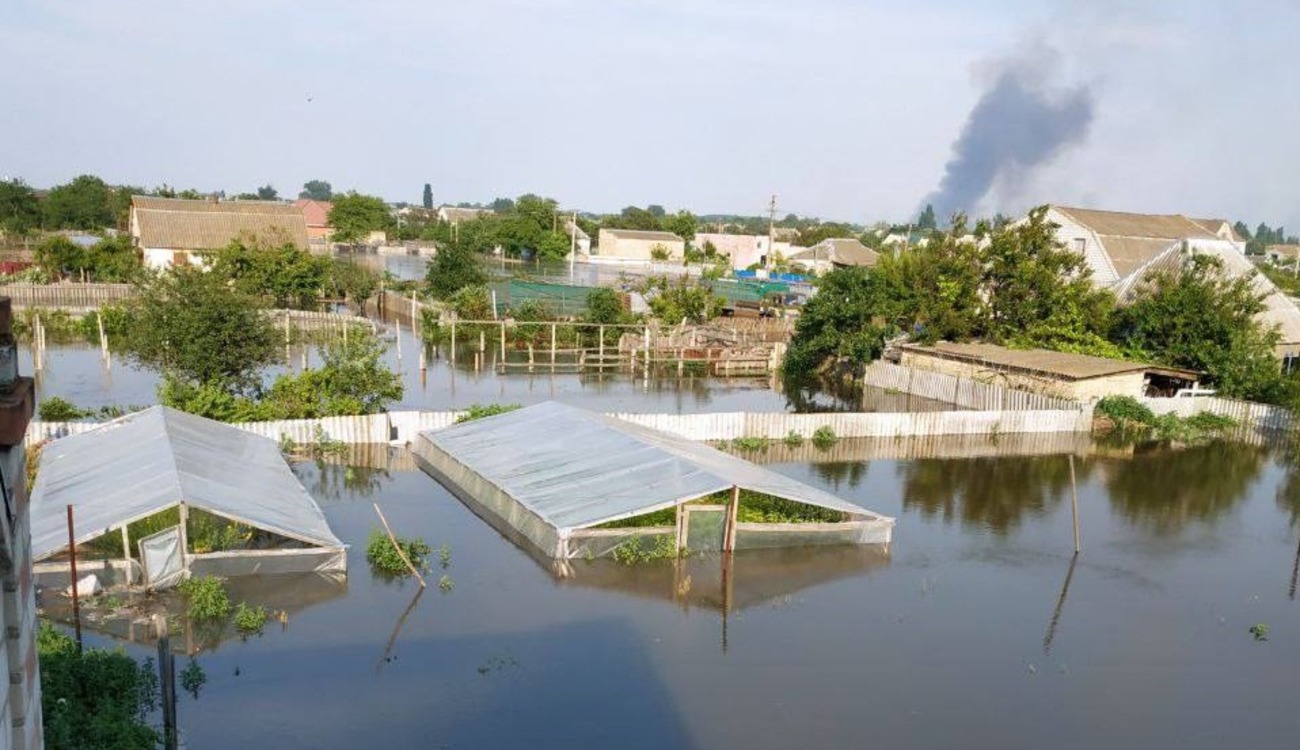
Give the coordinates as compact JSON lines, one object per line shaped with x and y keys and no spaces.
{"x":634,"y":550}
{"x":207,"y":598}
{"x":445,"y":583}
{"x":193,"y":677}
{"x":1260,"y":631}
{"x":749,"y":443}
{"x":444,"y":556}
{"x":384,"y":557}
{"x":794,"y":439}
{"x":824,"y":437}
{"x":250,"y":620}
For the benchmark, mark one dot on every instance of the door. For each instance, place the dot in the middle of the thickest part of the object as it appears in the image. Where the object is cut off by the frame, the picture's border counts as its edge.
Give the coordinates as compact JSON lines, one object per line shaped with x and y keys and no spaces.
{"x":704,"y":527}
{"x":160,"y":556}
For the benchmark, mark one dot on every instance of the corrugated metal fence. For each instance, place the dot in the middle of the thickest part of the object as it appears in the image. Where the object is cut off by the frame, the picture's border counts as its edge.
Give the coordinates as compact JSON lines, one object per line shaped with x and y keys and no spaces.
{"x":964,"y":392}
{"x":403,"y":426}
{"x":65,"y":295}
{"x":1245,"y":413}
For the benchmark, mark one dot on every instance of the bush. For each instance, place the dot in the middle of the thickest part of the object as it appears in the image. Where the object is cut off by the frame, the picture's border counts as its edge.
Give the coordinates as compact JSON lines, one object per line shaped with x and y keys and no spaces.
{"x":55,"y":409}
{"x":207,"y":597}
{"x":94,"y":699}
{"x":635,"y":551}
{"x":250,"y":620}
{"x":749,"y":443}
{"x":824,"y":437}
{"x":1125,"y":411}
{"x":794,"y":439}
{"x":479,"y":411}
{"x":384,"y":557}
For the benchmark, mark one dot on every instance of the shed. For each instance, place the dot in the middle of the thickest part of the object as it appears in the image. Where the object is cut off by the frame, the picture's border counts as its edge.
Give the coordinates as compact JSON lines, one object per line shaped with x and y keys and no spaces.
{"x":638,"y":245}
{"x":1058,"y":374}
{"x":150,"y":462}
{"x":550,"y":474}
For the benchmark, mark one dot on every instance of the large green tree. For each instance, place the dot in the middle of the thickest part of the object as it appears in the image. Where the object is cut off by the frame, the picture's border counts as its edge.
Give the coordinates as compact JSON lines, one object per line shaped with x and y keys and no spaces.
{"x":281,"y":275}
{"x":85,"y":203}
{"x":20,"y":213}
{"x":354,"y":216}
{"x":455,"y":267}
{"x":189,"y":324}
{"x":317,"y":190}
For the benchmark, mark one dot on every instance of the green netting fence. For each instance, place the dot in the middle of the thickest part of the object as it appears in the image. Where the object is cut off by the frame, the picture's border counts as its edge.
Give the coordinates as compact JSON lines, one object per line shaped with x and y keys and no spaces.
{"x":561,"y":299}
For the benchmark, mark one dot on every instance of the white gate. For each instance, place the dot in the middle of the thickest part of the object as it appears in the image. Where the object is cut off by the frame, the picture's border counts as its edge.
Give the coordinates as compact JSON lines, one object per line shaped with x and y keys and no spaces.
{"x":160,"y":556}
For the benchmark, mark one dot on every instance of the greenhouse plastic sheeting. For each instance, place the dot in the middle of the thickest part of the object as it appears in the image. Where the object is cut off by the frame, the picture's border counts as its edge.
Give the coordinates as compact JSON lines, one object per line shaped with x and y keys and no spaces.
{"x":151,"y":460}
{"x":567,"y":469}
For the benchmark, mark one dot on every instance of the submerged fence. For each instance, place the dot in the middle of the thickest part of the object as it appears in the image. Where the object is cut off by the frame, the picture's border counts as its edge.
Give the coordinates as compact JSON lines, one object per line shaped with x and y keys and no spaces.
{"x":964,"y":392}
{"x":403,"y":426}
{"x":1246,"y":413}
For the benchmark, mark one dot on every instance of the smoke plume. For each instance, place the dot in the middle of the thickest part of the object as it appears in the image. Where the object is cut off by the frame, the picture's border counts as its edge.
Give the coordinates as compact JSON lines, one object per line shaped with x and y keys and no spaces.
{"x":1021,"y":122}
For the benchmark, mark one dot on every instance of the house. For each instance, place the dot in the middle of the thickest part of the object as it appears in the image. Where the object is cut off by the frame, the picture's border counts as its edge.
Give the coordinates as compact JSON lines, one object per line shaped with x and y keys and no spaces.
{"x":1123,"y":249}
{"x":835,"y":253}
{"x":744,"y":250}
{"x":1283,"y":255}
{"x":1077,"y":377}
{"x":317,"y":214}
{"x":453,"y":215}
{"x":172,"y":231}
{"x":638,"y":245}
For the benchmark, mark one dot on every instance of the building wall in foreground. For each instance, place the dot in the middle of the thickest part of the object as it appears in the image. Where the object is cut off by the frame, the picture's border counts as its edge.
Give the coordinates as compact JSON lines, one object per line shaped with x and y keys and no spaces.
{"x":20,"y":706}
{"x":1122,"y":384}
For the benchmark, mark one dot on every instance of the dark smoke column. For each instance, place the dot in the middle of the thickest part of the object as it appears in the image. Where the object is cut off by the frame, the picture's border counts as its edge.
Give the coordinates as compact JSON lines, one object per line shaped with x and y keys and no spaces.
{"x":1016,"y":126}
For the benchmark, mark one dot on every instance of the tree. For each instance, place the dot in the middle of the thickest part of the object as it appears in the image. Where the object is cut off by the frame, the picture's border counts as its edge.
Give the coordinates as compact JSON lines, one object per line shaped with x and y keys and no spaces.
{"x":189,"y":324}
{"x":684,"y":224}
{"x":455,"y":267}
{"x":926,"y":220}
{"x":428,"y":196}
{"x":352,"y":380}
{"x":1242,"y":230}
{"x":353,"y":282}
{"x":282,"y":275}
{"x":267,"y":193}
{"x":20,"y":213}
{"x":84,"y":203}
{"x":656,"y":211}
{"x":634,"y":218}
{"x":1200,"y":318}
{"x":848,"y":317}
{"x":354,"y":216}
{"x":604,"y":305}
{"x":502,"y":205}
{"x":110,"y":260}
{"x":553,"y":246}
{"x":672,"y":302}
{"x":316,"y":190}
{"x":60,"y":257}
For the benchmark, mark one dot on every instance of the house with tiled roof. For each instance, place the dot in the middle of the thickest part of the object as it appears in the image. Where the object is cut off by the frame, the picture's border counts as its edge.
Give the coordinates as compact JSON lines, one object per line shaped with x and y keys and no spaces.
{"x":172,"y":231}
{"x":1124,"y":249}
{"x":317,"y":215}
{"x":839,"y":252}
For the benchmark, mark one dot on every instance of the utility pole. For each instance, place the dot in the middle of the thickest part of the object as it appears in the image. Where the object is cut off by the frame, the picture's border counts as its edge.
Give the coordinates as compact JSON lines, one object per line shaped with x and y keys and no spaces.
{"x":771,"y":232}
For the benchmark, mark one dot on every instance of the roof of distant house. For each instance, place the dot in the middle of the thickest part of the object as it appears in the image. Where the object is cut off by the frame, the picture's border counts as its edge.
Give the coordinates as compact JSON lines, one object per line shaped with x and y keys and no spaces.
{"x":1289,"y":251}
{"x":454,"y":214}
{"x":840,"y":251}
{"x":642,"y":234}
{"x":209,"y":224}
{"x":1148,"y":226}
{"x":1061,"y":365}
{"x":317,"y":213}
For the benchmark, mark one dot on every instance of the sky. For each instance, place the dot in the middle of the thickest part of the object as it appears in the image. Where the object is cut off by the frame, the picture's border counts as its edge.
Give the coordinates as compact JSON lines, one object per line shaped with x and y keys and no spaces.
{"x":844,"y":109}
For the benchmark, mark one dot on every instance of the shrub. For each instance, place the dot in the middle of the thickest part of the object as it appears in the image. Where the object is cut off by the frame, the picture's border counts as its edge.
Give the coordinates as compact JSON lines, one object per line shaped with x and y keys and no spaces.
{"x":749,"y":443}
{"x":445,"y":583}
{"x":94,"y":699}
{"x":1125,"y":411}
{"x":479,"y":411}
{"x":634,"y":550}
{"x":384,"y":557}
{"x":824,"y":437}
{"x":207,"y":597}
{"x":55,"y":409}
{"x":794,"y":439}
{"x":250,"y":620}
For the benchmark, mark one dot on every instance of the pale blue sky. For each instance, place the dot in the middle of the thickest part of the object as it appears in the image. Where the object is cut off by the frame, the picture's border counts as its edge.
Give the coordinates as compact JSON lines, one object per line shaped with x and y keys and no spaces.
{"x":846,"y":109}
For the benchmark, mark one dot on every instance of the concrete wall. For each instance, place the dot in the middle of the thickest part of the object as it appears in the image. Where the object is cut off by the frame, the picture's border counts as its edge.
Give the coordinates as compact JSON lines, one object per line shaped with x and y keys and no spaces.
{"x":611,"y":246}
{"x":1123,"y":384}
{"x":22,"y":690}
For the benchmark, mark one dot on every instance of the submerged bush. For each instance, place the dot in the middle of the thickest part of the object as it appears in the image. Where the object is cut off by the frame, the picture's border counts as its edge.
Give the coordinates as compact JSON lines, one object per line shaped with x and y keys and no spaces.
{"x":824,"y":437}
{"x":207,"y":598}
{"x":635,"y":551}
{"x":749,"y":443}
{"x":1125,"y":411}
{"x":794,"y":439}
{"x":479,"y":411}
{"x":384,"y":557}
{"x":250,"y":620}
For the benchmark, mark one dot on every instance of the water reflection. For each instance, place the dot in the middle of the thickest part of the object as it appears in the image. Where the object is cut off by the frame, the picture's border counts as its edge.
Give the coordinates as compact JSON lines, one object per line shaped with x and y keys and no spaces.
{"x":1163,"y":490}
{"x":990,"y":493}
{"x":840,"y":473}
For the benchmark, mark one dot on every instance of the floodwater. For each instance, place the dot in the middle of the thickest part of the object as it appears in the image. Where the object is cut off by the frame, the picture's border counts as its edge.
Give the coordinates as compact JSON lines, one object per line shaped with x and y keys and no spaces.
{"x":77,"y":373}
{"x":977,"y":629}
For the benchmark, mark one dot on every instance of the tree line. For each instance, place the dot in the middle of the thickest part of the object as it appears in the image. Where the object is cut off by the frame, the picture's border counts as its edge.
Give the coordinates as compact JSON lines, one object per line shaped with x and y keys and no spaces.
{"x":1015,"y":285}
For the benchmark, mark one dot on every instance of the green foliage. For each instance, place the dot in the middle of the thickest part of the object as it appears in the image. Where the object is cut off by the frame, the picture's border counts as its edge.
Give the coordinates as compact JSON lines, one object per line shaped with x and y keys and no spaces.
{"x":207,"y":598}
{"x":354,"y":216}
{"x":757,"y":507}
{"x":853,"y":312}
{"x":189,"y":325}
{"x":824,"y":437}
{"x":110,"y":260}
{"x":193,"y":678}
{"x":20,"y":212}
{"x":605,"y":306}
{"x":479,"y":411}
{"x":926,"y":219}
{"x":659,"y":253}
{"x":250,"y":620}
{"x":1124,"y":410}
{"x":634,"y":551}
{"x":1134,"y":420}
{"x":794,"y":439}
{"x":1259,"y":631}
{"x":96,"y":699}
{"x":85,"y":203}
{"x":316,"y":190}
{"x":661,"y":517}
{"x":445,"y":583}
{"x":444,"y":556}
{"x":352,"y":282}
{"x":749,"y":443}
{"x":454,"y":268}
{"x":56,"y":409}
{"x":674,"y":301}
{"x":281,"y":275}
{"x":385,"y":558}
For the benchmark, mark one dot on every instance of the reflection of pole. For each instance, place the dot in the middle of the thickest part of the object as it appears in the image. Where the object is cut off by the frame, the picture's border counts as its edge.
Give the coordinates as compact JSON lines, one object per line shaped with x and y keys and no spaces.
{"x":76,"y":599}
{"x":1060,"y":605}
{"x":1074,"y":504}
{"x":392,"y":639}
{"x":726,"y":595}
{"x":1295,"y":569}
{"x":166,"y":682}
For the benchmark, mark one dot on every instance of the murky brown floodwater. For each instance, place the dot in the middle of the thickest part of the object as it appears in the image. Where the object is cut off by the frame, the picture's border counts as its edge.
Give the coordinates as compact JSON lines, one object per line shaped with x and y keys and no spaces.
{"x":977,"y":630}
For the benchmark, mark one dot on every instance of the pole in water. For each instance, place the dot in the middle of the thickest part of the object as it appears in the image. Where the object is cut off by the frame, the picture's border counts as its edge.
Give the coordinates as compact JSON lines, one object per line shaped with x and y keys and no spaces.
{"x":1074,"y":504}
{"x":72,"y":557}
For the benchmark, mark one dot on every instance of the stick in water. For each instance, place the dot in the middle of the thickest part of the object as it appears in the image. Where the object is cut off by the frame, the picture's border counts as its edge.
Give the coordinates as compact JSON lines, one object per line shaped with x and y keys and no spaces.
{"x":398,"y":547}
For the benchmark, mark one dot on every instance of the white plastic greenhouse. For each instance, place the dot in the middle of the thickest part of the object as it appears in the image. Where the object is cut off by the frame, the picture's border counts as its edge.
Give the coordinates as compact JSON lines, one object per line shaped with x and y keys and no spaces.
{"x":149,"y":462}
{"x":551,"y":473}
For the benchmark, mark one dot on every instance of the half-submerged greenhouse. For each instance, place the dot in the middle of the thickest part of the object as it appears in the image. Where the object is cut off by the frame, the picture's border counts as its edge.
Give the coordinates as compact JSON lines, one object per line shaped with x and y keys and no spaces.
{"x":160,"y":492}
{"x":576,"y":484}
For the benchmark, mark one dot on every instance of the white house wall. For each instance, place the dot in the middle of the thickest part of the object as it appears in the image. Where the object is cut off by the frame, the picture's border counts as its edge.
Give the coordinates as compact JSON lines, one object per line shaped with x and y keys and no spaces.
{"x":1070,"y":233}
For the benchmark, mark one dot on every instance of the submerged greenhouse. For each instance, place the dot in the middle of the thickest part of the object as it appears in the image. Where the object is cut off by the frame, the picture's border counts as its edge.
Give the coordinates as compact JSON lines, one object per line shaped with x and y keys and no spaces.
{"x":576,"y":484}
{"x":160,"y":492}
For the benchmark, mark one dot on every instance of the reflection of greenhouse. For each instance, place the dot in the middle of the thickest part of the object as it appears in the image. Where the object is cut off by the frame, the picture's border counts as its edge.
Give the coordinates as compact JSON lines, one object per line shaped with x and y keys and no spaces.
{"x":159,"y":493}
{"x":575,"y":484}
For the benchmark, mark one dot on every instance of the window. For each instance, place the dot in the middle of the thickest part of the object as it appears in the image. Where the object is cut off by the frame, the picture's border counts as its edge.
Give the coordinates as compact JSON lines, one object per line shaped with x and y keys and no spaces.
{"x":1080,"y":245}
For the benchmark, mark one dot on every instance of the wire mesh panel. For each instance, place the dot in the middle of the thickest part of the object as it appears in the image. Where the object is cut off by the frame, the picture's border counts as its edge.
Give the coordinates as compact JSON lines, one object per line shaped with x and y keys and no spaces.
{"x":160,"y":554}
{"x":705,"y":527}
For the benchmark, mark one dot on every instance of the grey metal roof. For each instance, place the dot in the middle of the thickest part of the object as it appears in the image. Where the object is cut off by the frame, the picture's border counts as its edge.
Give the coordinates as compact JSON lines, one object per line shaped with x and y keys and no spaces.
{"x":576,"y":469}
{"x":149,"y":461}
